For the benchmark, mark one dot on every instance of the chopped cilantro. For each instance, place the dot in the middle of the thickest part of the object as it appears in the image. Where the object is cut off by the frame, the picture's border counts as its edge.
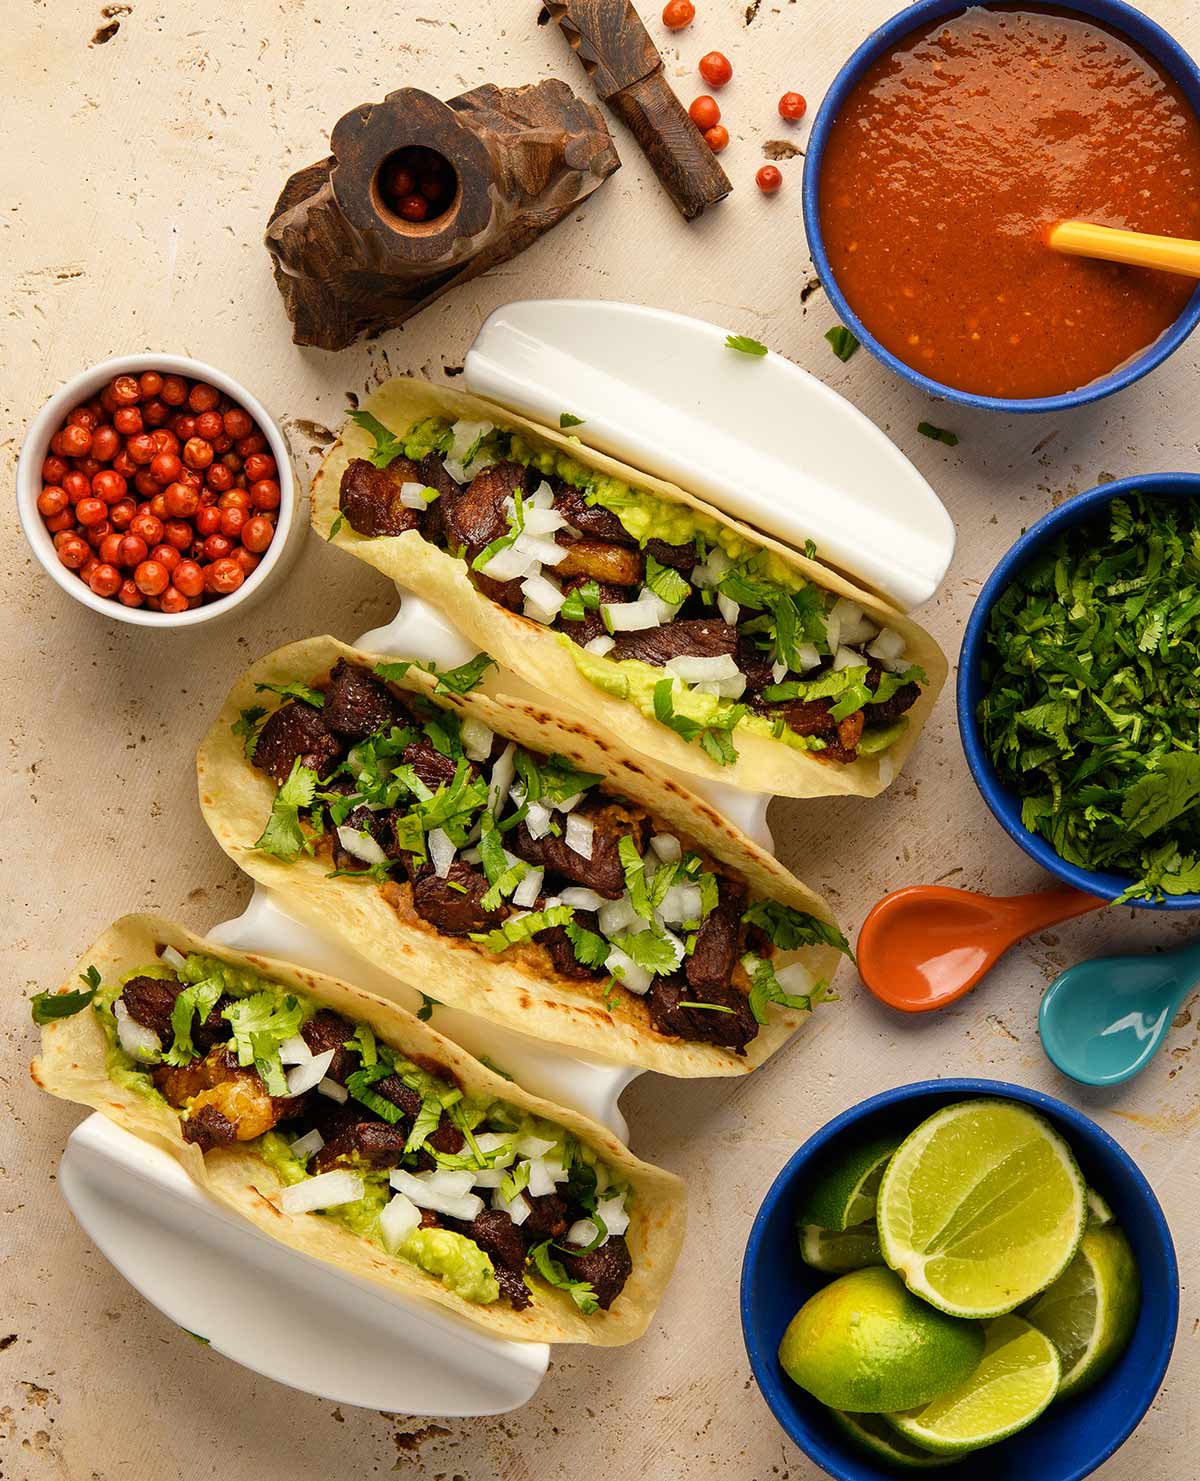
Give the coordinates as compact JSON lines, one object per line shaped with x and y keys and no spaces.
{"x":708,"y":1007}
{"x":590,"y":948}
{"x":841,"y":341}
{"x":554,"y":1273}
{"x":428,"y":1004}
{"x":789,"y":929}
{"x":582,"y":600}
{"x":666,"y":582}
{"x":938,"y":434}
{"x":744,"y":344}
{"x":520,"y":928}
{"x":338,"y":522}
{"x":283,"y":835}
{"x":196,"y":1001}
{"x":388,"y":446}
{"x":47,"y":1006}
{"x":460,"y":680}
{"x":363,"y":1042}
{"x":714,"y":736}
{"x":247,"y":727}
{"x":765,"y":988}
{"x":295,"y":690}
{"x":515,"y":1182}
{"x":565,"y":420}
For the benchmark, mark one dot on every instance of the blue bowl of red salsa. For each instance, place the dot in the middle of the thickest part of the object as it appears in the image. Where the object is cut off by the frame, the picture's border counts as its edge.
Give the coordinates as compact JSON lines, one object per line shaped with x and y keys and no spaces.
{"x":949,"y":143}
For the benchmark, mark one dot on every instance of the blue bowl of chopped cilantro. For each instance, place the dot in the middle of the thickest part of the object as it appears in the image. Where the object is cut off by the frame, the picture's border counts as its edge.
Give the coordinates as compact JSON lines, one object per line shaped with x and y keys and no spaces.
{"x":1079,"y":691}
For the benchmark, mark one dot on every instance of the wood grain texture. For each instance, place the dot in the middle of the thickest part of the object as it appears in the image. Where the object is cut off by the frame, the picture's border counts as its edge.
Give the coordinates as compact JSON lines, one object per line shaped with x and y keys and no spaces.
{"x":625,"y":68}
{"x":347,"y":265}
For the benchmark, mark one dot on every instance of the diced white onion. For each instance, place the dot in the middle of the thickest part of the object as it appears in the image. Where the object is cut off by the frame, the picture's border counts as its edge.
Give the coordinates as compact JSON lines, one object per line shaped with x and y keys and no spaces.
{"x":441,"y":851}
{"x":732,"y":688}
{"x":174,"y":958}
{"x":582,"y":899}
{"x":600,"y":645}
{"x":612,"y":1211}
{"x":693,"y":670}
{"x":540,"y":1181}
{"x":617,"y":916}
{"x":713,"y":568}
{"x":449,"y":1182}
{"x":539,"y":521}
{"x":412,"y":496}
{"x":887,"y":644}
{"x":492,"y":1141}
{"x":779,"y":670}
{"x":526,"y":893}
{"x":808,"y":657}
{"x":580,"y":835}
{"x":667,"y":611}
{"x":847,"y":658}
{"x":542,"y":497}
{"x":501,"y":779}
{"x":399,"y":1218}
{"x":361,"y":845}
{"x":667,"y":847}
{"x":682,"y":902}
{"x":631,"y":617}
{"x":582,"y":1231}
{"x":303,"y":1077}
{"x":326,"y":1190}
{"x":728,"y":608}
{"x":334,"y":1091}
{"x":534,"y":1146}
{"x":795,"y":978}
{"x":465,"y":434}
{"x":295,"y":1050}
{"x":833,"y":631}
{"x":567,"y":804}
{"x":542,"y":595}
{"x":138,"y":1041}
{"x":307,"y":1146}
{"x":627,"y":971}
{"x":488,"y":1177}
{"x":544,"y":550}
{"x":518,"y":1209}
{"x":465,"y":1206}
{"x":476,"y":739}
{"x":508,"y":563}
{"x":887,"y":770}
{"x":537,"y":819}
{"x":893,"y":665}
{"x":854,"y":624}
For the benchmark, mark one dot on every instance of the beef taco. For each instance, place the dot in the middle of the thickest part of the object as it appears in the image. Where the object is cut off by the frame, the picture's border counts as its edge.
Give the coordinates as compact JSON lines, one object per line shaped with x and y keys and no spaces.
{"x":344,"y":1127}
{"x":699,"y":641}
{"x":511,"y":863}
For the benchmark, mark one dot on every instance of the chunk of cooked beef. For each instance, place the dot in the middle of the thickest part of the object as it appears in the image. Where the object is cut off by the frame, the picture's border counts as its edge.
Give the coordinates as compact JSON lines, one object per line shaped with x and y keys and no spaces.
{"x":476,"y":515}
{"x":329,"y":1030}
{"x":500,"y":1239}
{"x":506,"y":594}
{"x":378,"y":823}
{"x":447,"y":1139}
{"x":209,"y":1127}
{"x":369,"y":497}
{"x":592,"y":520}
{"x":393,"y":1088}
{"x":592,"y":625}
{"x":712,"y":962}
{"x":562,"y":953}
{"x":547,"y":1217}
{"x":150,"y":1001}
{"x":602,"y":872}
{"x":434,"y":769}
{"x":375,"y":1143}
{"x":755,"y":662}
{"x":678,"y":557}
{"x":296,"y":729}
{"x":810,"y":717}
{"x":453,"y":904}
{"x":357,"y":703}
{"x":890,"y":709}
{"x":606,"y":1268}
{"x":434,"y":476}
{"x":599,"y":560}
{"x":698,"y":637}
{"x":729,"y":1030}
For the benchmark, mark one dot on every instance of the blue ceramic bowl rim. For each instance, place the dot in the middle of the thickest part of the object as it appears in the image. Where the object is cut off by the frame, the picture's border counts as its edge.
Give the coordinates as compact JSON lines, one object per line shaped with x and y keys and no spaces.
{"x":1004,"y":806}
{"x":1081,"y":1127}
{"x":1139,"y":28}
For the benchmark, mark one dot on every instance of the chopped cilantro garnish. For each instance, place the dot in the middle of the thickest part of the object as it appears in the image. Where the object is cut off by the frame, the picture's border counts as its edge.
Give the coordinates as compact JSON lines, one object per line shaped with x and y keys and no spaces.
{"x":590,"y":948}
{"x":938,"y":434}
{"x":515,"y":1182}
{"x":765,"y":988}
{"x":582,"y":600}
{"x":460,"y":680}
{"x":363,"y":1041}
{"x":196,"y":1001}
{"x":566,"y":419}
{"x":789,"y":929}
{"x":283,"y":835}
{"x":338,"y":522}
{"x":47,"y":1006}
{"x":522,"y":927}
{"x":388,"y":446}
{"x":666,"y":582}
{"x":842,"y":342}
{"x":744,"y":344}
{"x":246,"y":725}
{"x":648,"y":950}
{"x":260,"y":1023}
{"x":295,"y":690}
{"x":554,"y":1273}
{"x":428,"y":1004}
{"x":714,"y":735}
{"x":708,"y":1007}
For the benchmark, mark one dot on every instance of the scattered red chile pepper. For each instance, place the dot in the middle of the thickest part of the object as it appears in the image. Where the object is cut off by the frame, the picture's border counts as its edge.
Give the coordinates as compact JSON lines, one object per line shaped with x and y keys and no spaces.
{"x":677,"y":14}
{"x":704,"y":112}
{"x":716,"y":68}
{"x":717,"y":138}
{"x":206,"y":492}
{"x":768,"y":179}
{"x":793,"y":106}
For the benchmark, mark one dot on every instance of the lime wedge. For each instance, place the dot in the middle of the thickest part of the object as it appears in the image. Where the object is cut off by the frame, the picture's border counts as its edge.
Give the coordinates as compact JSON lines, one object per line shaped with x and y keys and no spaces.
{"x":1016,"y":1379}
{"x":1090,"y":1311}
{"x":1098,"y":1212}
{"x":872,"y":1433}
{"x":837,"y":1250}
{"x":981,"y":1208}
{"x":866,"y":1344}
{"x":845,"y":1193}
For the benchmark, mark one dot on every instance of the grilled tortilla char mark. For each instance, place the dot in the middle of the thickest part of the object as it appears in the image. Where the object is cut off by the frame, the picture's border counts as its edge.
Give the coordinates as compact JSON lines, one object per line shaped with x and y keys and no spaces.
{"x":602,"y":872}
{"x":729,"y":1030}
{"x":697,"y":637}
{"x":453,"y":904}
{"x":369,"y":497}
{"x":296,"y":730}
{"x":606,"y":1268}
{"x":712,"y":962}
{"x":150,"y":1001}
{"x":599,"y":560}
{"x":357,"y":704}
{"x":592,"y":520}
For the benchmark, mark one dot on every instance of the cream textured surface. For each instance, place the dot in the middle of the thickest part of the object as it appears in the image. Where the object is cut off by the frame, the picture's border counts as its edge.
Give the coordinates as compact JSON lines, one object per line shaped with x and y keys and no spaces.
{"x":136,"y":179}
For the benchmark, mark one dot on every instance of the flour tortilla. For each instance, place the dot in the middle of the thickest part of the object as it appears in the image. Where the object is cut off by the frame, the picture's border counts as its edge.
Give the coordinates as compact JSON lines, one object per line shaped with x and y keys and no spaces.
{"x":539,"y":656}
{"x":72,"y":1066}
{"x":236,"y":797}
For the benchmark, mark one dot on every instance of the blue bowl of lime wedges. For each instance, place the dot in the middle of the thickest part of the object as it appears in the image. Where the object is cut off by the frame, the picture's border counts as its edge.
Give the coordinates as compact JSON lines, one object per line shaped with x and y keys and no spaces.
{"x":875,"y":1340}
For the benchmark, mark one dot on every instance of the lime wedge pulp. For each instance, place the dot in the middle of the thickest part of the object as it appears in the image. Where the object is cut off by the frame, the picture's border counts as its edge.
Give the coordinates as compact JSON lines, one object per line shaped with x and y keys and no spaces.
{"x":845,"y":1193}
{"x":1090,"y":1311}
{"x":1016,"y":1379}
{"x":835,"y":1251}
{"x":872,"y":1433}
{"x":981,"y":1208}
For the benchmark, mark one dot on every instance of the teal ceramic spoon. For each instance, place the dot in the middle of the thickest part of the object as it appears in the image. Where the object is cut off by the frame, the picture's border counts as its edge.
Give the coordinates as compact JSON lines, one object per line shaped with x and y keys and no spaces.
{"x":1102,"y":1022}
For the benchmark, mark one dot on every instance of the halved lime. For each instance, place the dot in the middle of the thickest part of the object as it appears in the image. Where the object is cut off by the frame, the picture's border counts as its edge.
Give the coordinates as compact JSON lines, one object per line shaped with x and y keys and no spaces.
{"x":1016,"y":1378}
{"x":866,"y":1344}
{"x":836,"y":1251}
{"x":981,"y":1207}
{"x":1098,"y":1212}
{"x":872,"y":1433}
{"x":1090,"y":1311}
{"x":844,"y":1194}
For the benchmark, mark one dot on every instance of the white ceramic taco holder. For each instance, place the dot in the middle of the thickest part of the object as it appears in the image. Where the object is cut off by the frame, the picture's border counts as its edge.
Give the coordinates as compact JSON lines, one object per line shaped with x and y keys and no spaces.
{"x":781,"y":450}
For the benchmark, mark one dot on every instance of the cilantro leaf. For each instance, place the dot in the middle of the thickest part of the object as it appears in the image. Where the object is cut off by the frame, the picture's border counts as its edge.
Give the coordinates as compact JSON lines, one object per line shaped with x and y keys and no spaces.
{"x":295,"y":690}
{"x":428,"y":1004}
{"x":842,"y":342}
{"x":714,"y":735}
{"x":765,"y":988}
{"x":338,"y":521}
{"x":198,"y":1000}
{"x":460,"y":680}
{"x":590,"y":948}
{"x":554,"y":1273}
{"x":648,"y":950}
{"x":1164,"y":794}
{"x":283,"y":835}
{"x":515,"y":1182}
{"x":520,"y":928}
{"x":388,"y":446}
{"x":666,"y":582}
{"x":45,"y":1007}
{"x":247,"y":727}
{"x":938,"y":434}
{"x":744,"y":344}
{"x":565,"y":420}
{"x":582,"y":600}
{"x":789,"y":929}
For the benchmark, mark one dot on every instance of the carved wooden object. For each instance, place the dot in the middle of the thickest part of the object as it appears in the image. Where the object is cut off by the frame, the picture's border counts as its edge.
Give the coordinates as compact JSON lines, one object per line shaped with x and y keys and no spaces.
{"x":347,"y":264}
{"x":627,"y":72}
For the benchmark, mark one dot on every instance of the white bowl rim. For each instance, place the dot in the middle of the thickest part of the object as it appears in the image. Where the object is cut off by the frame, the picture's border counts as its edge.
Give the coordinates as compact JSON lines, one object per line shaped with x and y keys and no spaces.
{"x":34,"y":449}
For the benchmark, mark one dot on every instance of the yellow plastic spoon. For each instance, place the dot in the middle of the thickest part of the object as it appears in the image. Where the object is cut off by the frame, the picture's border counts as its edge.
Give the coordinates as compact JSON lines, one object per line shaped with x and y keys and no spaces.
{"x":1138,"y":248}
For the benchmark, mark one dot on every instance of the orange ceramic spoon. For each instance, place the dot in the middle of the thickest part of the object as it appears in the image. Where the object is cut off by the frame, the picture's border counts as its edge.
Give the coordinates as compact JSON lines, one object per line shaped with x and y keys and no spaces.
{"x":922,"y":947}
